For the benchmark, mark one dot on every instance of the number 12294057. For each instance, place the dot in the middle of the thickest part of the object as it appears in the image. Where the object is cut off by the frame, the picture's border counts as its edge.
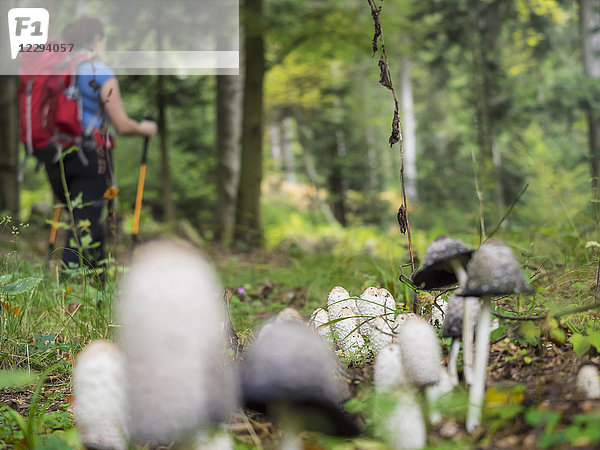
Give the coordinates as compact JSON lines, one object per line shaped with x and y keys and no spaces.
{"x":28,"y":48}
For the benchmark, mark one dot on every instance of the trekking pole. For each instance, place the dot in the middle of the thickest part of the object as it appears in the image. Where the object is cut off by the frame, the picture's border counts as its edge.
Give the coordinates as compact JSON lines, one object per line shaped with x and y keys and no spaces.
{"x":52,"y":240}
{"x":140,"y":192}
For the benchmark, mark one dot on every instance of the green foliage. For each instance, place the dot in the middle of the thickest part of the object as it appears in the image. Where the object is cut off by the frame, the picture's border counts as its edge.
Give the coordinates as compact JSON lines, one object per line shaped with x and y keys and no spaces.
{"x":583,"y":342}
{"x":33,"y":425}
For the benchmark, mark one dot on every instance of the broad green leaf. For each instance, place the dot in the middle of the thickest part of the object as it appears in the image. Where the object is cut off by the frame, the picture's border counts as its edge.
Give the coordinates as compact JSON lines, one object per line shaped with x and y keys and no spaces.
{"x":580,"y":344}
{"x":16,"y":378}
{"x":594,"y":339}
{"x":20,"y":286}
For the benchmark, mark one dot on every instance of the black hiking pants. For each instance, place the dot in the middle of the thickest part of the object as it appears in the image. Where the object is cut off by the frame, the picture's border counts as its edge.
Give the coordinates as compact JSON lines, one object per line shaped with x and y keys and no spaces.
{"x":82,"y":180}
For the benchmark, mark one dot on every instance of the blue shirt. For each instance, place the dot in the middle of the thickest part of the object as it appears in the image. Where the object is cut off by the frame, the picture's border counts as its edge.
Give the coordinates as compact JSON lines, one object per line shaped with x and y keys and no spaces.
{"x":86,"y":72}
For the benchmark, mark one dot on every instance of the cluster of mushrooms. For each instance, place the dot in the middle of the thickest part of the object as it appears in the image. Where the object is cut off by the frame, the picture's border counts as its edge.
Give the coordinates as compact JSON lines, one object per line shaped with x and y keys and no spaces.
{"x":357,"y":326}
{"x":170,"y":379}
{"x":482,"y":275}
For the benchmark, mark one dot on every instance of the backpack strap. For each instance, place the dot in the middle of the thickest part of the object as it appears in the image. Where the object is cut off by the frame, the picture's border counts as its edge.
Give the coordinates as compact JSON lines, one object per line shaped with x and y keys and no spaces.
{"x":92,"y":123}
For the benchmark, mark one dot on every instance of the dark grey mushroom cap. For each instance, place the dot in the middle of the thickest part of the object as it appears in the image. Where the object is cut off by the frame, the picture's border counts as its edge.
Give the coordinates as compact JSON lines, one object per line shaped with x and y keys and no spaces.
{"x":290,"y":365}
{"x":494,"y":270}
{"x":453,"y":322}
{"x":437,"y":271}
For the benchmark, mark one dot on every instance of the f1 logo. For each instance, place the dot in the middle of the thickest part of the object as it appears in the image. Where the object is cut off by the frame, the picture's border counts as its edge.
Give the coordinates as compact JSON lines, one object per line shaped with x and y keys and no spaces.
{"x":27,"y":26}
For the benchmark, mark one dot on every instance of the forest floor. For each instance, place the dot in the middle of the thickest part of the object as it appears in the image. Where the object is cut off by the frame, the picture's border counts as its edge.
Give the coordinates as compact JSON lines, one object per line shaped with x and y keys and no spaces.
{"x":549,"y":381}
{"x":531,"y":397}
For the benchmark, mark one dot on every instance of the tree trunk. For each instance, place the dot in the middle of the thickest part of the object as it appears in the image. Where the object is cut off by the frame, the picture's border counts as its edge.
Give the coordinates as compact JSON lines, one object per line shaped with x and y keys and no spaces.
{"x":313,"y":176}
{"x":589,"y":22}
{"x":165,"y":169}
{"x":409,"y":131}
{"x":287,"y":136}
{"x":248,"y":227}
{"x":228,"y":154}
{"x":336,"y":180}
{"x":9,"y":147}
{"x":276,"y":152}
{"x":486,"y":69}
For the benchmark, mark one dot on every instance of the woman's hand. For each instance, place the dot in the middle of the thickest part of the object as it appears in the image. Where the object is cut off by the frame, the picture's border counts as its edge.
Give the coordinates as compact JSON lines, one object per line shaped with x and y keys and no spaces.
{"x":148,"y":128}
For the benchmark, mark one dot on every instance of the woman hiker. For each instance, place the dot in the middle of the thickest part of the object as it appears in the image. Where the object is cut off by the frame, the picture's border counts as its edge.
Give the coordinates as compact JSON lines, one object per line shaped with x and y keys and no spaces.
{"x":87,"y":171}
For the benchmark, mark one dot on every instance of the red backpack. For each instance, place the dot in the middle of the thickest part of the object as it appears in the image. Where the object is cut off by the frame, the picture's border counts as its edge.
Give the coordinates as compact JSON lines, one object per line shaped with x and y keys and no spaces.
{"x":49,"y":101}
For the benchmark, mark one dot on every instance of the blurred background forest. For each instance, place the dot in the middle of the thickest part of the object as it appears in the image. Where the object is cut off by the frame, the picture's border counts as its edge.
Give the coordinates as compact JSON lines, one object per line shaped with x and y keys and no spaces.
{"x":494,"y":95}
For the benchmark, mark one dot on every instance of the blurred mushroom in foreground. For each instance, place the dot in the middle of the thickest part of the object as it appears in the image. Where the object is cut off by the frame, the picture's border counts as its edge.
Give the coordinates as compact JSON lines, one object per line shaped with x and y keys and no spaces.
{"x":289,"y":373}
{"x":99,"y":396}
{"x":587,"y":382}
{"x":171,"y":310}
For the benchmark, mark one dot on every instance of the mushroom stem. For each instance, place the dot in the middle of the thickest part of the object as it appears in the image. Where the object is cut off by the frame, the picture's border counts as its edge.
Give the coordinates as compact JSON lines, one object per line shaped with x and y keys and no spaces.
{"x":482,"y":348}
{"x":459,"y":271}
{"x":467,"y":338}
{"x":452,"y":357}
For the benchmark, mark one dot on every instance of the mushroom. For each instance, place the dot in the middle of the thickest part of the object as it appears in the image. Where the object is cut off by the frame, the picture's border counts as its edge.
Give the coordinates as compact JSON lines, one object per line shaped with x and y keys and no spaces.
{"x":420,"y":351}
{"x":405,"y":427}
{"x":99,"y":392}
{"x":289,"y":374}
{"x":400,"y":320}
{"x":381,"y":334}
{"x":421,"y":356}
{"x":218,"y":439}
{"x":171,"y":311}
{"x":318,"y":320}
{"x":375,"y":303}
{"x":444,"y":264}
{"x":438,"y":313}
{"x":376,"y":310}
{"x":338,"y":299}
{"x":388,"y":373}
{"x":453,"y":328}
{"x":492,"y":271}
{"x":286,"y":315}
{"x":587,"y":382}
{"x":348,"y":339}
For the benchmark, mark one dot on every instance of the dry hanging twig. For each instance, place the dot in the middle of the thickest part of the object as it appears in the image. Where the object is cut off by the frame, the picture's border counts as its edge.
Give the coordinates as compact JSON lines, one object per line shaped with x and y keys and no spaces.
{"x":385,"y":80}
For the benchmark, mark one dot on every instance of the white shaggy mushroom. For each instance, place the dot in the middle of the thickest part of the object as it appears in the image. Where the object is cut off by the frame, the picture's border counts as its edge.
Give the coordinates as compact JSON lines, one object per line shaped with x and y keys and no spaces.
{"x":375,"y":303}
{"x":318,"y":319}
{"x":421,"y":354}
{"x":286,"y":315}
{"x":218,"y":439}
{"x":587,"y":382}
{"x":404,"y":428}
{"x":348,"y":339}
{"x":381,"y":334}
{"x":401,"y":319}
{"x":438,"y":313}
{"x":338,"y":299}
{"x":99,"y":390}
{"x":388,"y":373}
{"x":172,"y":336}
